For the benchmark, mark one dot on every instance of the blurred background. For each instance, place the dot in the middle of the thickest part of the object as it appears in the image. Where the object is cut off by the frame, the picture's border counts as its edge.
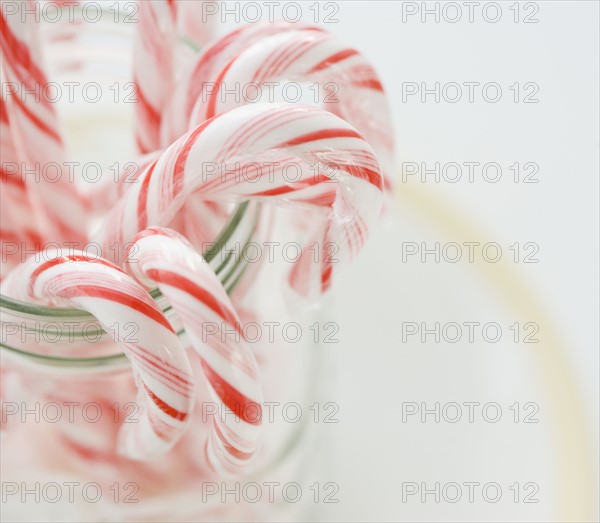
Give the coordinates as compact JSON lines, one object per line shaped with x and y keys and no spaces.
{"x":375,"y":453}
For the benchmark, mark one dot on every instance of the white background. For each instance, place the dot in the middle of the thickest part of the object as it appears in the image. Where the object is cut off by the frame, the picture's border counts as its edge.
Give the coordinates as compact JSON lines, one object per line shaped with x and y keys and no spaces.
{"x":373,"y":451}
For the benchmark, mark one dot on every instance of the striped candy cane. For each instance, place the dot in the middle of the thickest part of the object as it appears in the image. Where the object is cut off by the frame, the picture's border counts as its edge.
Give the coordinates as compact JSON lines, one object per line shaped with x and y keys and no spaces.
{"x":285,"y":154}
{"x":256,"y":58}
{"x":124,"y":309}
{"x":167,"y":35}
{"x":341,"y":80}
{"x":154,"y":41}
{"x":35,"y":128}
{"x":162,"y":258}
{"x":204,"y":219}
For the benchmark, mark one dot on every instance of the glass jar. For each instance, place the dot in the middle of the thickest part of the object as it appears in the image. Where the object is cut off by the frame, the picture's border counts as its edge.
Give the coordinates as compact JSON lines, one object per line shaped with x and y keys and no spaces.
{"x":67,"y":388}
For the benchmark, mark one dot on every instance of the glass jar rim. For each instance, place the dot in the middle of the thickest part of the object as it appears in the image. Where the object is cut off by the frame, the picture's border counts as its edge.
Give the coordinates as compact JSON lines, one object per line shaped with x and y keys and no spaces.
{"x":218,"y":255}
{"x":209,"y":255}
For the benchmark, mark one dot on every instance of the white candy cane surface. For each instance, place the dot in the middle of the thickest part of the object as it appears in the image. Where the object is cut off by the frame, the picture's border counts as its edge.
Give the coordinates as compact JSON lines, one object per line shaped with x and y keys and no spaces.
{"x":34,"y":125}
{"x":126,"y":311}
{"x":286,"y":154}
{"x":162,"y":258}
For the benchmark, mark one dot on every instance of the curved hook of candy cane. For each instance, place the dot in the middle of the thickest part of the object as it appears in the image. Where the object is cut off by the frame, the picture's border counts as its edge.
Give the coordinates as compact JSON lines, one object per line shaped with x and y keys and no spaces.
{"x":337,"y":77}
{"x":247,"y":154}
{"x":256,"y":58}
{"x":198,"y":79}
{"x":127,"y":312}
{"x":163,"y":258}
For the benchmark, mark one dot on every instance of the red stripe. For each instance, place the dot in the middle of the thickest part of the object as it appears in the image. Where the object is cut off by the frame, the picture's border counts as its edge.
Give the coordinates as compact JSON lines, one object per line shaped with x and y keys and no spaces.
{"x":197,"y":79}
{"x":165,"y":407}
{"x":369,"y":84}
{"x":173,"y":7}
{"x":364,"y":173}
{"x":143,"y":197}
{"x":322,"y":200}
{"x":244,"y":456}
{"x":65,"y":259}
{"x":202,"y":295}
{"x":12,"y":178}
{"x":146,"y":233}
{"x":184,"y":151}
{"x":3,"y":112}
{"x":38,"y":122}
{"x":243,"y":407}
{"x":327,"y":266}
{"x":94,"y":291}
{"x":149,"y":120}
{"x":285,"y":189}
{"x":323,"y":134}
{"x":333,"y":59}
{"x":18,"y":52}
{"x":212,"y":101}
{"x":173,"y":378}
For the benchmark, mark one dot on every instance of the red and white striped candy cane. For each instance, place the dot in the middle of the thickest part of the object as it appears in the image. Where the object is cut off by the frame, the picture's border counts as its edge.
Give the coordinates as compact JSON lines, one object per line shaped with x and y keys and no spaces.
{"x":126,"y":311}
{"x":195,"y":27}
{"x":162,"y":258}
{"x":34,"y":125}
{"x":203,"y":220}
{"x":251,"y":153}
{"x":340,"y":79}
{"x":335,"y":75}
{"x":167,"y":35}
{"x":154,"y":41}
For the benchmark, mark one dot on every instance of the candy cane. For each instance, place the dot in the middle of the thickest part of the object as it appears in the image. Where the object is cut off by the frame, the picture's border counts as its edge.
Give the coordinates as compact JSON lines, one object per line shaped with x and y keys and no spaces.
{"x":154,"y":40}
{"x":165,"y":34}
{"x":285,"y":55}
{"x":195,"y":23}
{"x":18,"y":232}
{"x":341,"y":80}
{"x":247,"y":154}
{"x":161,"y":257}
{"x":161,"y":367}
{"x":34,"y":126}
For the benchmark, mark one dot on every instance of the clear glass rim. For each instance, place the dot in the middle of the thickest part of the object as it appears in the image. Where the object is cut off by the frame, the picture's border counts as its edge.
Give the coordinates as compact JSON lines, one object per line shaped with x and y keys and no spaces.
{"x":65,"y":312}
